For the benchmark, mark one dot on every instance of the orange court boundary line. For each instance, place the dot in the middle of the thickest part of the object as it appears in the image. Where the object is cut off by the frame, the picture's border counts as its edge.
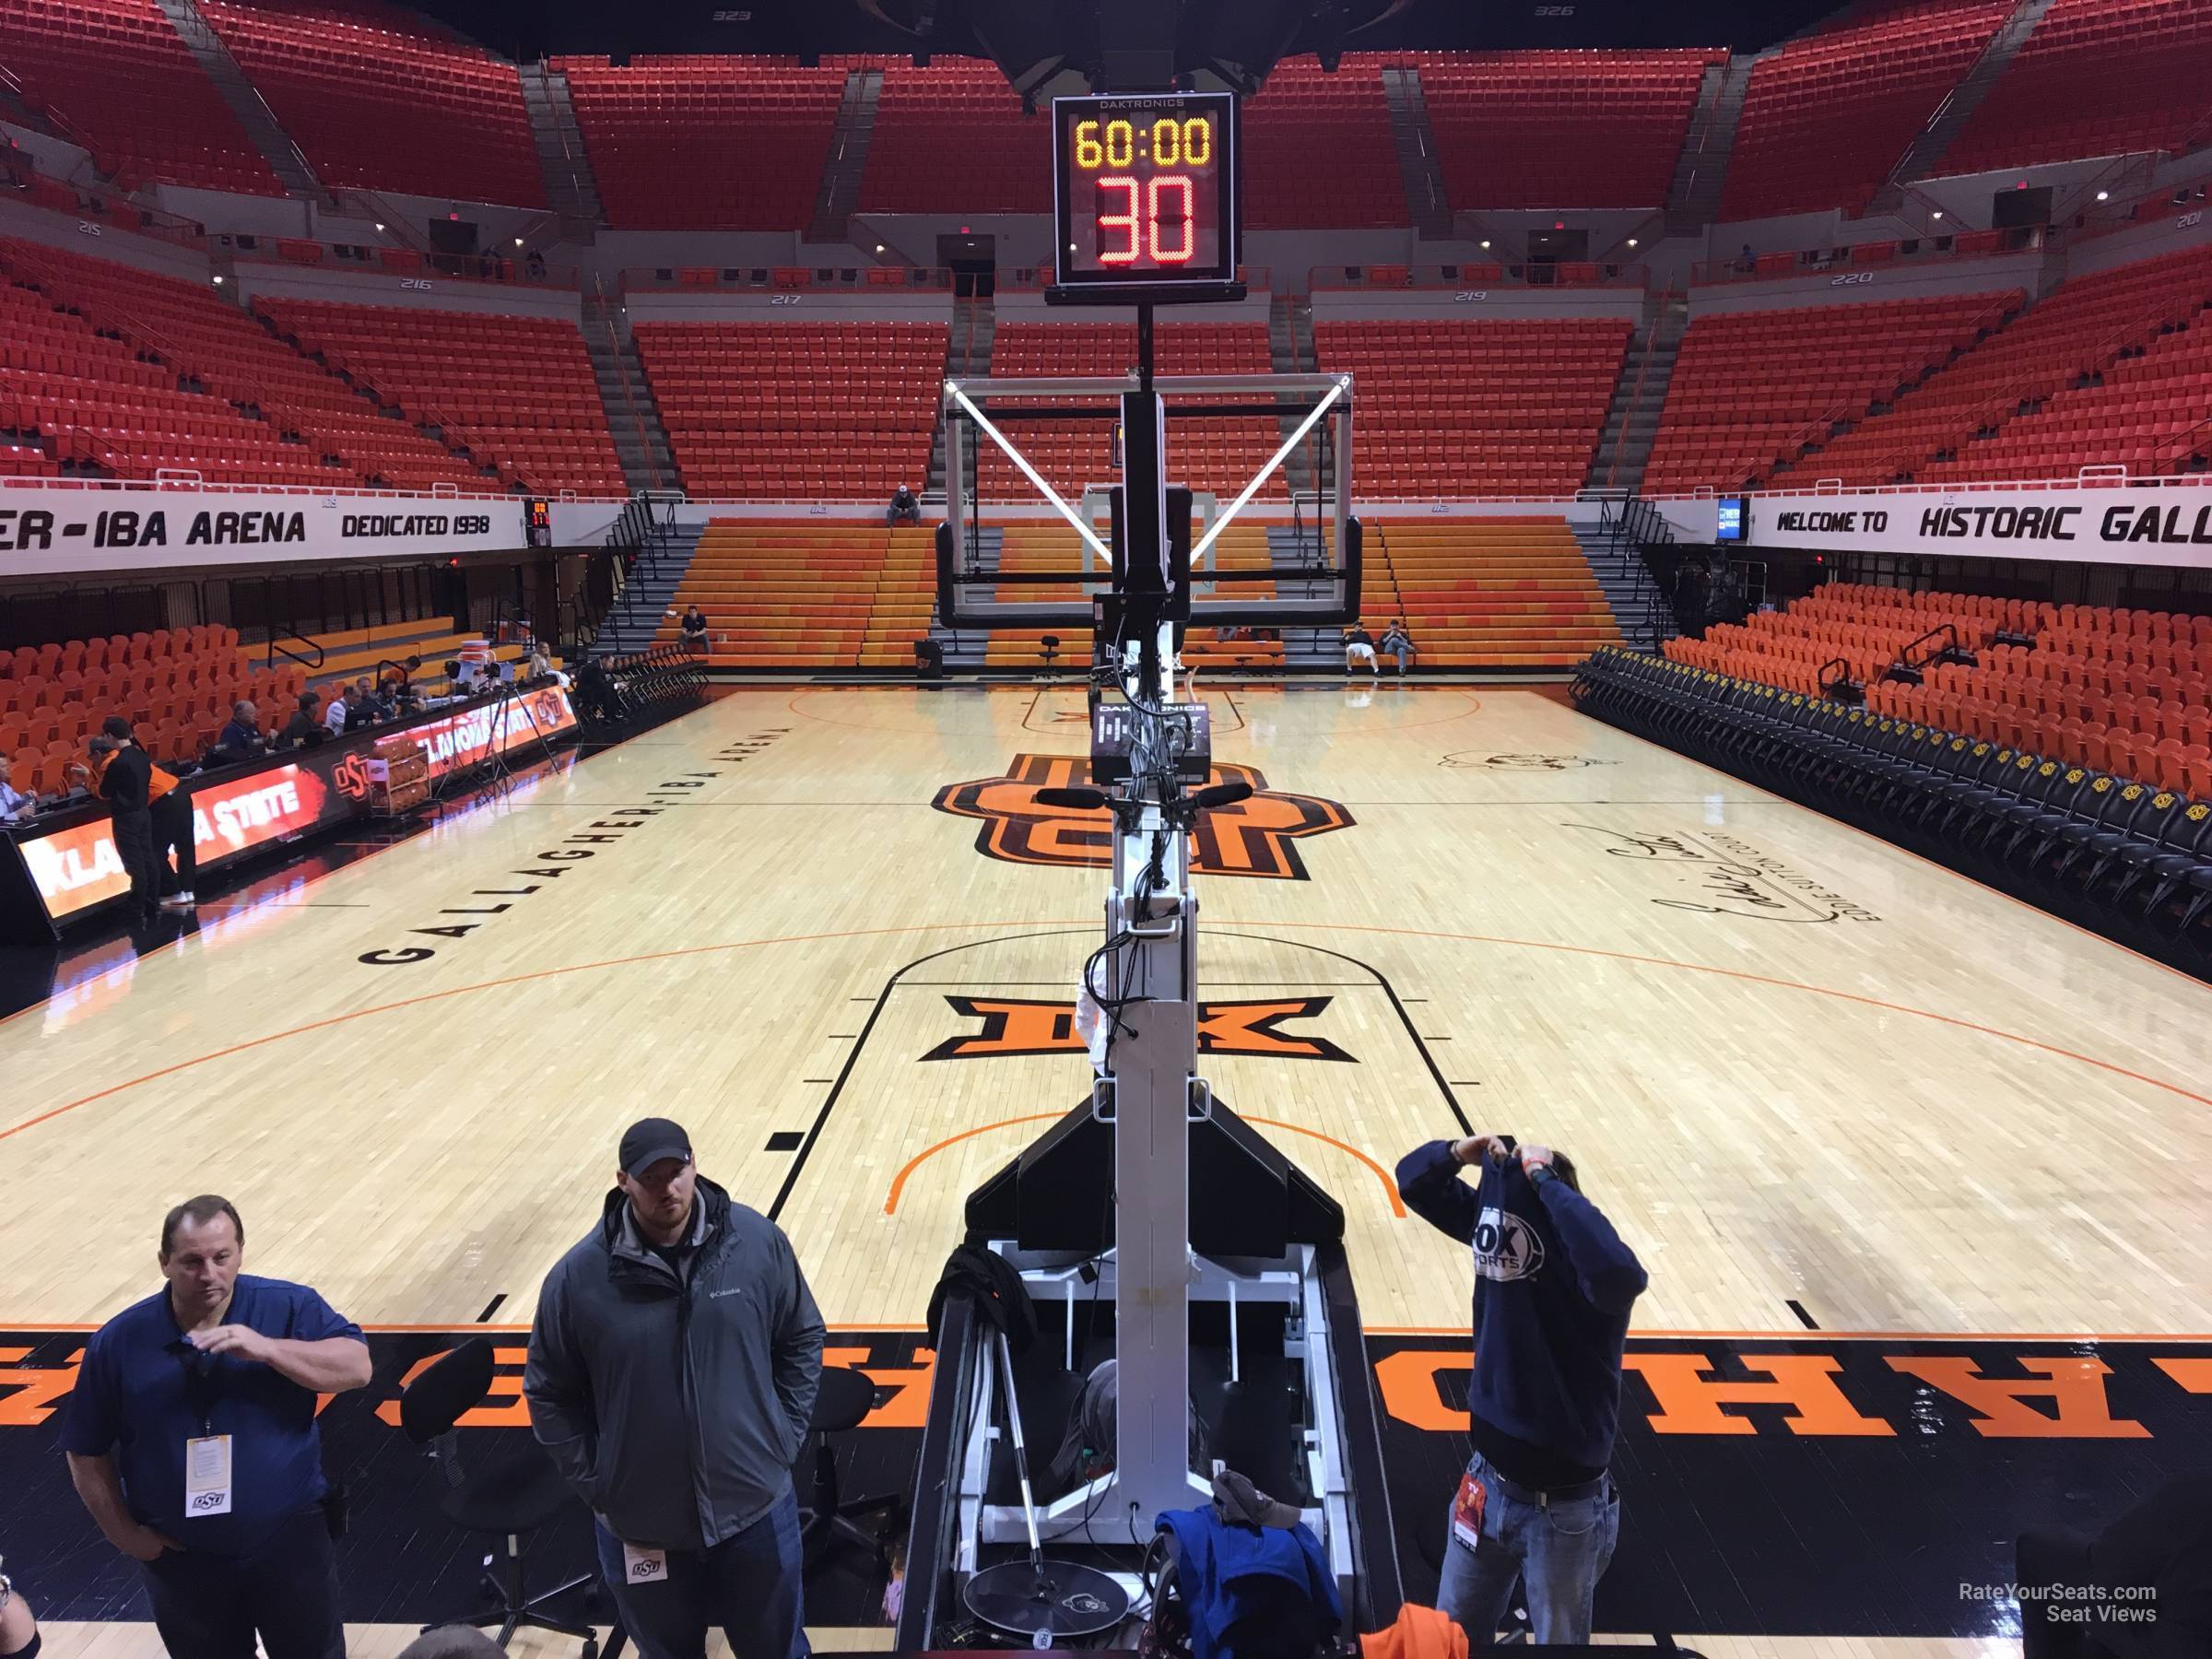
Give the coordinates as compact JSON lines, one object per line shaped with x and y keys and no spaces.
{"x":1594,"y":951}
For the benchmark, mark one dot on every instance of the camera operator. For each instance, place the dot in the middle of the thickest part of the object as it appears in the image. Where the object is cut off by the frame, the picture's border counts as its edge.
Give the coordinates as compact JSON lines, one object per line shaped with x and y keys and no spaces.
{"x":1553,"y":1287}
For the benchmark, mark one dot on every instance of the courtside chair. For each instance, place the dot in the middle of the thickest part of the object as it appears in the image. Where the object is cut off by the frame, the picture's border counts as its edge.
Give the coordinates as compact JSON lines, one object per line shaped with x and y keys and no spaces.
{"x":511,"y":1497}
{"x":843,"y":1400}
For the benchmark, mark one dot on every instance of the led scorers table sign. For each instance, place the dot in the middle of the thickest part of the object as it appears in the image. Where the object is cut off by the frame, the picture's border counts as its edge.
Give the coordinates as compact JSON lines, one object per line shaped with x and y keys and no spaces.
{"x":1145,"y":194}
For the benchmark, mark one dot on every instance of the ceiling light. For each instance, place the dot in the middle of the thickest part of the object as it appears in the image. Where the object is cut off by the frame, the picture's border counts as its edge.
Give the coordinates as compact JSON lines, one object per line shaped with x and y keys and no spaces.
{"x":218,"y":281}
{"x":518,"y":241}
{"x":1486,"y":245}
{"x":879,"y":247}
{"x":380,"y":226}
{"x":1938,"y":213}
{"x":2104,"y":195}
{"x":1631,"y":242}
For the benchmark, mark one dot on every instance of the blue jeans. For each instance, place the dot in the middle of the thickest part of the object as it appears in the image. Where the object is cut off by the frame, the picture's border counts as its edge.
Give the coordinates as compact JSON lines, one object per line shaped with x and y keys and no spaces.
{"x":748,"y":1585}
{"x":1557,"y":1550}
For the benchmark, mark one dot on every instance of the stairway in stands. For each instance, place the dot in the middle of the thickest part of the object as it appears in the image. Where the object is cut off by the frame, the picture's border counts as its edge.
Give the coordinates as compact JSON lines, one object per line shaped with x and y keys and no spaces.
{"x":570,"y":188}
{"x":254,"y":114}
{"x":633,"y":417}
{"x":1624,"y":442}
{"x":641,"y":612}
{"x":1951,"y":116}
{"x":1426,"y":203}
{"x":1646,"y":622}
{"x":967,"y":357}
{"x":840,"y":194}
{"x":1293,"y":548}
{"x":1693,"y":200}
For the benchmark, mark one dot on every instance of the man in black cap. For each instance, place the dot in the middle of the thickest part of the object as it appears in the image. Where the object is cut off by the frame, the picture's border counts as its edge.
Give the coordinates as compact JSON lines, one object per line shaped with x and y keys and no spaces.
{"x":673,"y":1367}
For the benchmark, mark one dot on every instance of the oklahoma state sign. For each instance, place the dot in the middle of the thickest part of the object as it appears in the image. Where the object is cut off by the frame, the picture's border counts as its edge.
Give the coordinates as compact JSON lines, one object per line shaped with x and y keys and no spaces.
{"x":1256,"y":837}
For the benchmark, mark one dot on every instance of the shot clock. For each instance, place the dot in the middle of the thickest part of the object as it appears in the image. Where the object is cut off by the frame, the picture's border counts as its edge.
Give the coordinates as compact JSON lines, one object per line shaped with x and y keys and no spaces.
{"x":1144,"y":193}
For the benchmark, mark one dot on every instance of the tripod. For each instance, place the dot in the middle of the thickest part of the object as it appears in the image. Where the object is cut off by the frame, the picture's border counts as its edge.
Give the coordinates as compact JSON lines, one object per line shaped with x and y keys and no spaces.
{"x":499,"y":777}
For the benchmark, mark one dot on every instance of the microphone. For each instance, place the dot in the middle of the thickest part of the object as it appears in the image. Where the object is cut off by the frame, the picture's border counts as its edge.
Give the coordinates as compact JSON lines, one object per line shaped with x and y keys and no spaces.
{"x":1220,"y":795}
{"x":1078,"y":799}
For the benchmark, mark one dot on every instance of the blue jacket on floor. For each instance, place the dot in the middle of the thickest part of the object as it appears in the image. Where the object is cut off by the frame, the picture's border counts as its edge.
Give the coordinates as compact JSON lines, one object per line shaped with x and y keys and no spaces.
{"x":1251,"y":1591}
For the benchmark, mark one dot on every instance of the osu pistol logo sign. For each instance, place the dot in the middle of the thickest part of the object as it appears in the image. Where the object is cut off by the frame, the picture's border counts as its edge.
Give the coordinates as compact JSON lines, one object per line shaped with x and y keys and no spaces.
{"x":1016,"y":1026}
{"x":1256,"y":837}
{"x":351,"y":775}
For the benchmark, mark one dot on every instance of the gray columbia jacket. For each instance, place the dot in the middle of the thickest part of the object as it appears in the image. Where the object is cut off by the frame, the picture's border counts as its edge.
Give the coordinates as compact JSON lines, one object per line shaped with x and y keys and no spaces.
{"x":674,"y":1406}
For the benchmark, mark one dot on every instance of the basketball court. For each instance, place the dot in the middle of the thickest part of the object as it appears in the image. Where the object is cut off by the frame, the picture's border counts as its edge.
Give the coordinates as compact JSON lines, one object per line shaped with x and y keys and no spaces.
{"x":1914,"y":1168}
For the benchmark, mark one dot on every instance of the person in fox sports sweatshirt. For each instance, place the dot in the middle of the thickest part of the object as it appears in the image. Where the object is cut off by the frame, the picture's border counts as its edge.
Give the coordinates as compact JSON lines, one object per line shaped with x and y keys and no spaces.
{"x":1553,"y":1286}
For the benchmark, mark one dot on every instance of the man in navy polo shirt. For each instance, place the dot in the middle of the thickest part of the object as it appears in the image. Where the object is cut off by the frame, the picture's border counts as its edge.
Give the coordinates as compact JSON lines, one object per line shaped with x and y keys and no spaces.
{"x":191,"y":1437}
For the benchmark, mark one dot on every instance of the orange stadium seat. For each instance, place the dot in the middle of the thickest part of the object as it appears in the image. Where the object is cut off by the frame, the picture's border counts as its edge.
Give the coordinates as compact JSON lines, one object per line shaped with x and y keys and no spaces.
{"x":519,"y":392}
{"x":334,"y":71}
{"x":783,"y":411}
{"x":1754,"y":390}
{"x":2106,"y":369}
{"x":1452,"y":407}
{"x":2096,"y":77}
{"x":754,"y":134}
{"x":1827,"y":117}
{"x":116,"y":72}
{"x":1560,"y":129}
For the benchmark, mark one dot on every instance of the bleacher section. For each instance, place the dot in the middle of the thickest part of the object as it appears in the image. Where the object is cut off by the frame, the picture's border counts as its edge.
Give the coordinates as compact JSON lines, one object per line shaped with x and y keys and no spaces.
{"x":808,"y":594}
{"x":1560,"y":129}
{"x":1451,"y":407}
{"x":784,"y":411}
{"x":2120,"y":691}
{"x":77,"y":401}
{"x":1754,"y":389}
{"x":2098,"y":78}
{"x":1214,"y":453}
{"x":1318,"y":149}
{"x":176,"y":688}
{"x":518,"y":391}
{"x":195,"y":333}
{"x":1493,"y":593}
{"x":116,"y":72}
{"x":340,"y":77}
{"x":951,"y":138}
{"x":752,"y":135}
{"x":2114,"y":329}
{"x":1826,"y":118}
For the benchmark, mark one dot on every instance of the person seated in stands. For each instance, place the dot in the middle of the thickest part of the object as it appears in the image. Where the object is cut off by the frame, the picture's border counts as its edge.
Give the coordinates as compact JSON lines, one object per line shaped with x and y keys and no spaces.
{"x":540,"y":666}
{"x":695,"y":628}
{"x":596,"y":686}
{"x":305,"y":729}
{"x":1359,"y":647}
{"x":337,"y":718}
{"x":1399,"y":644}
{"x":534,"y":265}
{"x":398,"y":685}
{"x":241,"y":739}
{"x":1748,"y":262}
{"x":905,"y":508}
{"x":16,"y":807}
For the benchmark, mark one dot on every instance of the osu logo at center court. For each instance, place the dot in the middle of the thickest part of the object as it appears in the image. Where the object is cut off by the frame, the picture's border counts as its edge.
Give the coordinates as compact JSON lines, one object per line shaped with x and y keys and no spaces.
{"x":1256,"y":837}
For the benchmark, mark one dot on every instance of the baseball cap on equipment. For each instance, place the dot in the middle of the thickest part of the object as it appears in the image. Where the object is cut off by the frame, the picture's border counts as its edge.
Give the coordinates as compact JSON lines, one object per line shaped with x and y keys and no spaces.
{"x":648,"y":1141}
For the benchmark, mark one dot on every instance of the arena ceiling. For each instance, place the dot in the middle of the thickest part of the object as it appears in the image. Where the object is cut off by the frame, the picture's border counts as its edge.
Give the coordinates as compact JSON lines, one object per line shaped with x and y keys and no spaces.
{"x":526,"y":28}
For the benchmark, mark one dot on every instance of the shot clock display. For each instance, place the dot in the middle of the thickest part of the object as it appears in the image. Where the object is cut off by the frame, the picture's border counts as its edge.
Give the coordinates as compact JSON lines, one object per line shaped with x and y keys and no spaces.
{"x":1145,"y":190}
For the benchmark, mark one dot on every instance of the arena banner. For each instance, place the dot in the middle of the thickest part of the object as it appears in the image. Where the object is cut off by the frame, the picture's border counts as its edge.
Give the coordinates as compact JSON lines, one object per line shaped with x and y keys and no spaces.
{"x":46,"y":531}
{"x":74,"y":865}
{"x":2146,"y":526}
